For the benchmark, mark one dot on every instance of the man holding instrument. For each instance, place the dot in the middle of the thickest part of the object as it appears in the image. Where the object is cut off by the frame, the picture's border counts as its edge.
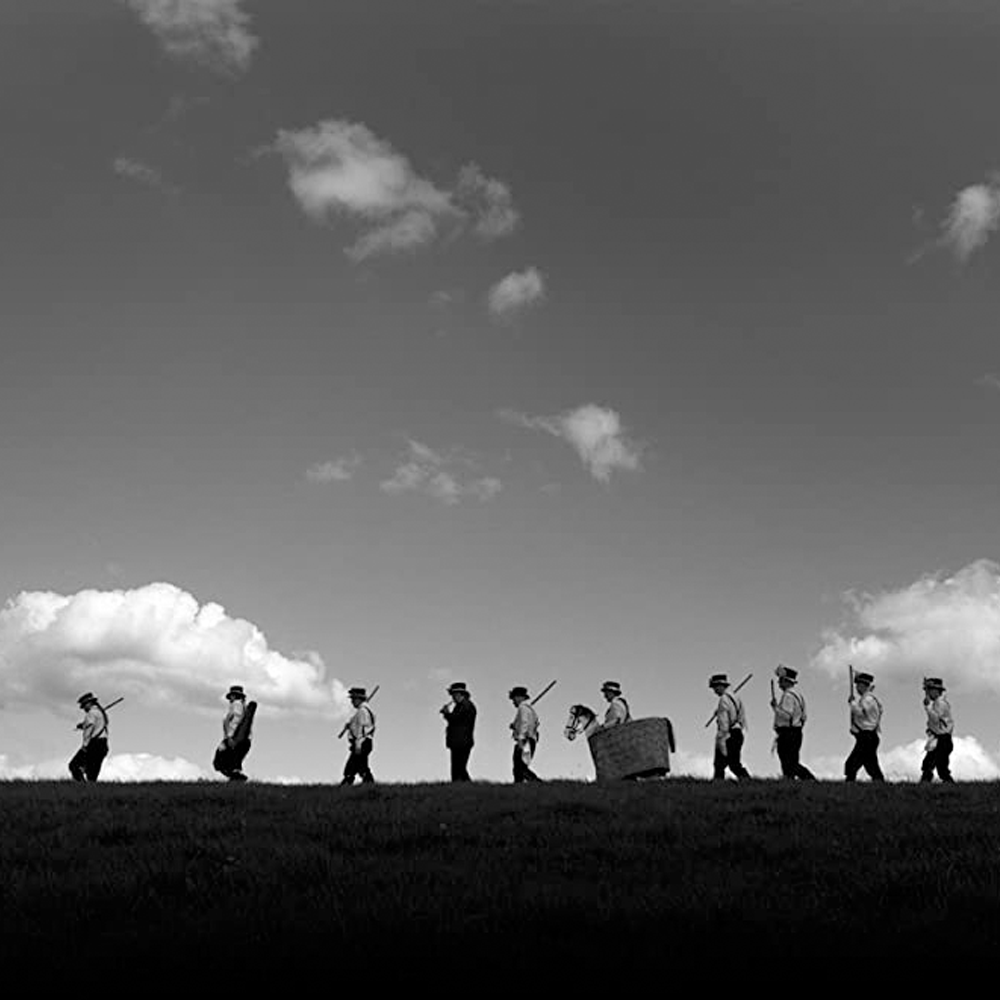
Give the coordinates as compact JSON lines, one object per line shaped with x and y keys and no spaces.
{"x":460,"y":724}
{"x":940,"y":727}
{"x":866,"y":724}
{"x":524,"y":729}
{"x":789,"y":720}
{"x":235,"y":743}
{"x":730,"y":720}
{"x":360,"y":729}
{"x":87,"y":761}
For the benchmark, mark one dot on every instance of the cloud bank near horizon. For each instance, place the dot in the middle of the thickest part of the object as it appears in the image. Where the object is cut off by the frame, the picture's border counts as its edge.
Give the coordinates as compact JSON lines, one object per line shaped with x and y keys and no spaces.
{"x":156,"y":644}
{"x":946,"y":626}
{"x":117,"y":767}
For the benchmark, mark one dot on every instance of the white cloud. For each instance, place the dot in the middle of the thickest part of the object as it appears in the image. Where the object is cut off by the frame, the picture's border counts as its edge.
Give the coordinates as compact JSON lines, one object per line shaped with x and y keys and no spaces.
{"x":214,"y":33}
{"x":974,"y":214}
{"x":117,"y":767}
{"x":489,"y":200}
{"x":990,"y":380}
{"x":942,"y":626}
{"x":342,"y":167}
{"x":425,"y":472}
{"x":692,"y":765}
{"x":594,"y":431}
{"x":140,"y":172}
{"x":340,"y":470}
{"x":970,"y":761}
{"x":515,"y":292}
{"x":154,"y":644}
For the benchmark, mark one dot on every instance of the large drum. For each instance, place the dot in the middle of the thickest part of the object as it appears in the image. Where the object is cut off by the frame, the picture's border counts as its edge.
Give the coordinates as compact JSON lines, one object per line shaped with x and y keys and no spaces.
{"x":640,"y":748}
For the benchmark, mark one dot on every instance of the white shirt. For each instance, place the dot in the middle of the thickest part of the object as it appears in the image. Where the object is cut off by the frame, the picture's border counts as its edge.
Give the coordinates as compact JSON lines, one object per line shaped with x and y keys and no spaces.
{"x":866,"y":714}
{"x":362,"y":725}
{"x":729,"y":715}
{"x":789,"y":710}
{"x":93,"y":725}
{"x":525,"y":724}
{"x":616,"y":714}
{"x":235,"y":712}
{"x":939,"y":720}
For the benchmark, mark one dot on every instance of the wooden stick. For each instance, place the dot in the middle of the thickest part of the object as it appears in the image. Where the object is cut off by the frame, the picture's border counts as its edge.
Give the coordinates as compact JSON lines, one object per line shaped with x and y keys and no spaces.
{"x":735,"y":689}
{"x":850,"y":682}
{"x":544,"y":691}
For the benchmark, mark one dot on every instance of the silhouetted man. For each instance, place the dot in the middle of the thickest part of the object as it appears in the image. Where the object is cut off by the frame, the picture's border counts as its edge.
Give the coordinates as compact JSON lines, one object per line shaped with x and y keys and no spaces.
{"x":940,"y":727}
{"x":360,"y":731}
{"x":730,"y":721}
{"x":789,"y":720}
{"x":866,"y":724}
{"x":235,"y":743}
{"x":524,"y":729}
{"x":460,"y":717}
{"x":87,"y":761}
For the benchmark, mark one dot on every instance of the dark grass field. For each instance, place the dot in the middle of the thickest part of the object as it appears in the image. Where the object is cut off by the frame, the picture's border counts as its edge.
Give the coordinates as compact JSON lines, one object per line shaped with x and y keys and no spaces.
{"x":182,"y":878}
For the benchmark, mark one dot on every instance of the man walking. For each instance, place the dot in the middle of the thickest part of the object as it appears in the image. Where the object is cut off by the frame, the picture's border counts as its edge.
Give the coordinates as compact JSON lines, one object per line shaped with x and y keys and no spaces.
{"x":866,"y":724}
{"x":525,"y":732}
{"x":360,"y":731}
{"x":940,"y":727}
{"x":730,"y":720}
{"x":87,"y":761}
{"x":789,"y":719}
{"x":460,"y":719}
{"x":618,"y":711}
{"x":235,"y":743}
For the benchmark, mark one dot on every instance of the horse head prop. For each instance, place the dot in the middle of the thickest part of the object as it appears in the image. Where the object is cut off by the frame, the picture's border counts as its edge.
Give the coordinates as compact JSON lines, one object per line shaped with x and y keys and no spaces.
{"x":581,"y":720}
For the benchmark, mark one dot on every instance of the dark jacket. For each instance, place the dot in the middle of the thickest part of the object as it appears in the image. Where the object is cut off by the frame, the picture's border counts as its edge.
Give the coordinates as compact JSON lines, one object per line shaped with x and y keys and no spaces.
{"x":461,"y":722}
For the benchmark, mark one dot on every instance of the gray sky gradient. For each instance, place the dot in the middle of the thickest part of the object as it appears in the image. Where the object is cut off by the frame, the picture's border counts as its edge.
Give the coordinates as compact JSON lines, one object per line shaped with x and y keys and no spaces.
{"x":764,"y":237}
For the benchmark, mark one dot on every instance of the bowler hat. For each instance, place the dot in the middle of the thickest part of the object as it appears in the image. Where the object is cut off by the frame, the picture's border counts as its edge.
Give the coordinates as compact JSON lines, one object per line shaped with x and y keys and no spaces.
{"x":718,"y":679}
{"x":933,"y":683}
{"x":235,"y":691}
{"x":787,"y":673}
{"x":357,"y":693}
{"x":458,"y":687}
{"x":612,"y":687}
{"x":864,"y":678}
{"x":86,"y":699}
{"x":518,"y":692}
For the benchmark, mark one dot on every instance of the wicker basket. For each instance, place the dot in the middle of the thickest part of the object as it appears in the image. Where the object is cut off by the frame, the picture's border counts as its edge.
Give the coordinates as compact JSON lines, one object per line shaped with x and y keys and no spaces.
{"x":640,"y":747}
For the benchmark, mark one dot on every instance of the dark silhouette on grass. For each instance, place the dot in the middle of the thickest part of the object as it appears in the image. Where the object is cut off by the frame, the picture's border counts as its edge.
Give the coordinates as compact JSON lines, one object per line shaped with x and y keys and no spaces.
{"x":789,"y":720}
{"x":460,"y":719}
{"x":237,"y":726}
{"x":86,"y":762}
{"x":866,"y":724}
{"x":360,"y":732}
{"x":940,"y":726}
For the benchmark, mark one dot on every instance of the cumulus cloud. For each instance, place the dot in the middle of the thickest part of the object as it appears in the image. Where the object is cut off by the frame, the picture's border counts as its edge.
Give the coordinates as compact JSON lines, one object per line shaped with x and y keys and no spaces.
{"x":340,"y":470}
{"x":141,"y":173}
{"x":117,"y":767}
{"x":214,"y":33}
{"x":488,"y":200}
{"x":946,"y":626}
{"x":155,"y":644}
{"x":516,"y":292}
{"x":426,"y":471}
{"x":594,"y":431}
{"x":340,"y":167}
{"x":684,"y":764}
{"x":990,"y":380}
{"x":970,"y":761}
{"x":974,"y":215}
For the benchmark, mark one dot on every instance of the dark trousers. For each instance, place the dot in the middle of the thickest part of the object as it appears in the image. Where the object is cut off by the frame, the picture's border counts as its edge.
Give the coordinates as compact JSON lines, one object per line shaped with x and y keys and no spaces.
{"x":87,"y":761}
{"x":229,"y":760}
{"x":522,"y":772}
{"x":938,"y":759}
{"x":789,"y":746}
{"x":864,"y":755}
{"x":460,"y":762}
{"x":731,"y":757}
{"x":357,"y":764}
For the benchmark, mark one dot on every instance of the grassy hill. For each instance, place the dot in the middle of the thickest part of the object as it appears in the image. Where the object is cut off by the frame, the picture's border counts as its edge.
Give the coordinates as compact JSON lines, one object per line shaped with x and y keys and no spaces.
{"x":180,"y":877}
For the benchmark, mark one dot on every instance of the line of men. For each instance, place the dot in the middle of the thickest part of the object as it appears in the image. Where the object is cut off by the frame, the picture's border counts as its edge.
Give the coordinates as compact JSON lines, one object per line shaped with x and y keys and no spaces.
{"x":866,"y":725}
{"x":460,"y":720}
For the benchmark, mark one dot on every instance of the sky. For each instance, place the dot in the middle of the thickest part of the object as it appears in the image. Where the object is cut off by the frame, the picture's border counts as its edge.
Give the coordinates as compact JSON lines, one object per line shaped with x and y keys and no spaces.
{"x":503,"y":342}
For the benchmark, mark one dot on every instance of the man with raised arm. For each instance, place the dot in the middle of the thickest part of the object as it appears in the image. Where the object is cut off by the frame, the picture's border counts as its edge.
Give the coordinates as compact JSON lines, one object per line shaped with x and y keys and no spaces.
{"x":789,"y":720}
{"x":866,"y":725}
{"x":940,"y":727}
{"x":460,"y":719}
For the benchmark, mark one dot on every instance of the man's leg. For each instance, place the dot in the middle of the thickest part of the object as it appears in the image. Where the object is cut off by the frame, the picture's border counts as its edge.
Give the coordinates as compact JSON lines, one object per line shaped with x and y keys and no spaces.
{"x":927,"y":765}
{"x":871,"y":757}
{"x":518,"y":764}
{"x":799,"y":770}
{"x":783,"y":740}
{"x":529,"y":774}
{"x":97,"y":750}
{"x":944,"y":749}
{"x":364,"y":769}
{"x":854,"y":759}
{"x":719,"y":764}
{"x":734,"y":748}
{"x":77,"y":765}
